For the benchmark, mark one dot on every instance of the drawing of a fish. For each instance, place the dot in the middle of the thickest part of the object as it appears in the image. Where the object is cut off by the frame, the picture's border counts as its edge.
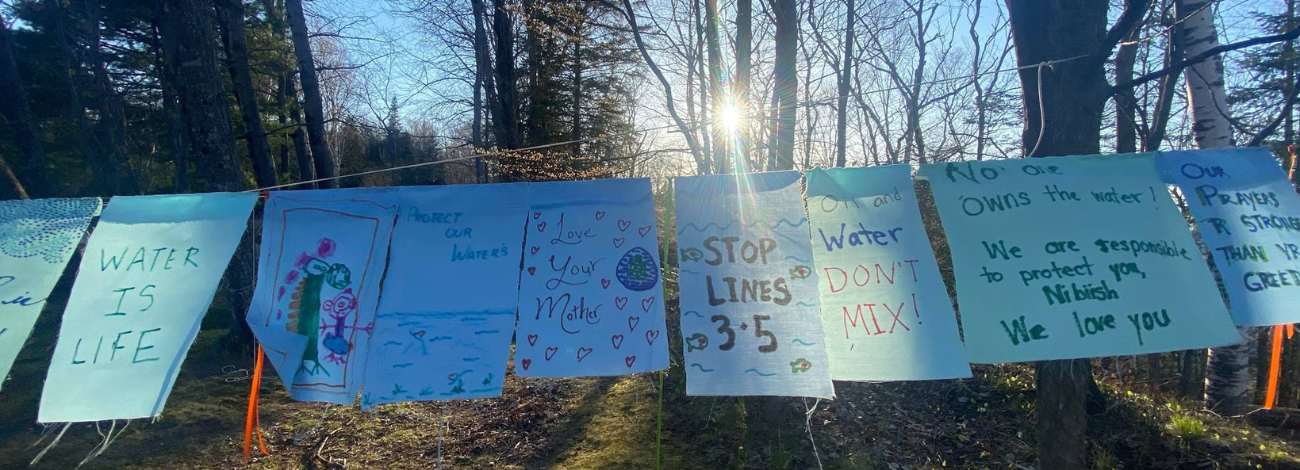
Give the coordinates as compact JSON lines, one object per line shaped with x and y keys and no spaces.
{"x":800,"y":272}
{"x":799,"y":365}
{"x":692,"y":254}
{"x":697,"y":341}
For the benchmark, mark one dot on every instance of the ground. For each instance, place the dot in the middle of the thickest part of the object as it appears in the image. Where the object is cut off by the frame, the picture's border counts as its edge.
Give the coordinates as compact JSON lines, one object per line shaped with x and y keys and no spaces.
{"x":984,"y":422}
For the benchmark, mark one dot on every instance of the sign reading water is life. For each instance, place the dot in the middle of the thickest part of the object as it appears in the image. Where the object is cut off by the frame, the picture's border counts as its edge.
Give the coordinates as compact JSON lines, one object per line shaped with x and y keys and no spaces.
{"x":1074,"y":257}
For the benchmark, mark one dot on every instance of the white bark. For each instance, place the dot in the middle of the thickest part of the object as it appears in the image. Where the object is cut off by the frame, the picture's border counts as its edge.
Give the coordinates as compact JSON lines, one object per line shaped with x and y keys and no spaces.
{"x":1209,"y":102}
{"x":1227,"y":382}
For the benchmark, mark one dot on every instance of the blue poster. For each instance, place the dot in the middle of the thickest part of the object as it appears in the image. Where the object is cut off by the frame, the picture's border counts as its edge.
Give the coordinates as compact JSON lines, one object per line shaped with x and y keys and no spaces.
{"x":591,"y":291}
{"x":146,"y":279}
{"x":886,"y":311}
{"x":1074,"y":257}
{"x":323,"y":256}
{"x":37,"y":238}
{"x":1249,"y":216}
{"x":447,"y":313}
{"x":750,"y":317}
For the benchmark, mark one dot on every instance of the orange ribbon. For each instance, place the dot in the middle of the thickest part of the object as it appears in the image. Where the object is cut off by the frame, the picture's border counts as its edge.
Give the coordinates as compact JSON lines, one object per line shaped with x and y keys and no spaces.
{"x":254,"y":421}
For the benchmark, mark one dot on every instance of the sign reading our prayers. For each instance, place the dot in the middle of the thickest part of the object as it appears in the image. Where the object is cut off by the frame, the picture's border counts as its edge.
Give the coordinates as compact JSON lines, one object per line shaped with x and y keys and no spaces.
{"x":313,"y":310}
{"x":462,"y":241}
{"x":591,"y":296}
{"x":1074,"y":257}
{"x":750,"y":319}
{"x":1249,"y":216}
{"x":146,"y":278}
{"x":886,"y":312}
{"x":37,"y":238}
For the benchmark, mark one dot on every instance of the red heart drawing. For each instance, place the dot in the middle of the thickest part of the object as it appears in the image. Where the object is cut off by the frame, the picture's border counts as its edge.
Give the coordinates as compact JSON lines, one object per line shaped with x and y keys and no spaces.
{"x":550,"y":352}
{"x":541,"y":227}
{"x":534,"y":249}
{"x":532,"y":340}
{"x":632,"y":322}
{"x":604,"y":283}
{"x":618,"y":242}
{"x":623,"y":225}
{"x":537,"y":215}
{"x":532,"y":270}
{"x":651,"y":336}
{"x":629,"y":360}
{"x":526,"y":363}
{"x":616,"y":340}
{"x":620,"y":302}
{"x":582,"y":353}
{"x":600,"y":215}
{"x":644,"y":230}
{"x":646,"y":303}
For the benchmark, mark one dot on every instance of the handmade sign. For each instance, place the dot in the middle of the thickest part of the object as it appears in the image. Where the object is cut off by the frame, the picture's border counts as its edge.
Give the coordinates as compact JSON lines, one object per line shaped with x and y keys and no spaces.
{"x":447,"y":314}
{"x":37,"y":238}
{"x":1074,"y":257}
{"x":750,"y":318}
{"x":886,"y":312}
{"x":1249,"y":216}
{"x":591,"y":296}
{"x":146,"y":279}
{"x":313,"y":310}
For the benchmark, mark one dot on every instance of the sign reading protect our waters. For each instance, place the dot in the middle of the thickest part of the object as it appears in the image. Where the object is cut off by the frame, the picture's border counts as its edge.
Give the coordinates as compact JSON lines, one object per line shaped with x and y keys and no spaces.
{"x":1249,"y":217}
{"x":886,"y":312}
{"x":443,"y":328}
{"x":1074,"y":257}
{"x":147,"y":277}
{"x":591,"y":291}
{"x":37,"y":238}
{"x":750,"y":318}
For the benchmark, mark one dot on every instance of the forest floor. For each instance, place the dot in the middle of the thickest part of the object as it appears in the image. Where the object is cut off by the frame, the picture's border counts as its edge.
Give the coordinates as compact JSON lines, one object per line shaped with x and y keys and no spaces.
{"x":984,"y":422}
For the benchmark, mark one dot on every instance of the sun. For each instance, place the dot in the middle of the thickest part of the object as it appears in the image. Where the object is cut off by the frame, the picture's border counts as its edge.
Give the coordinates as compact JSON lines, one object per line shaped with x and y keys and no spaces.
{"x":730,"y":115}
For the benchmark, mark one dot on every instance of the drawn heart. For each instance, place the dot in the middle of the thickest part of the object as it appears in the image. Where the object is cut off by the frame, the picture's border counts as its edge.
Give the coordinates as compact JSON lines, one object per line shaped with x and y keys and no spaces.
{"x":541,"y":227}
{"x":620,"y":302}
{"x":534,"y":249}
{"x":644,"y":230}
{"x":526,"y":363}
{"x":617,"y":340}
{"x":623,"y":225}
{"x":600,"y":215}
{"x":632,"y":322}
{"x":582,"y":353}
{"x":537,"y":215}
{"x":651,"y":336}
{"x":646,"y":303}
{"x":532,"y":270}
{"x":629,"y":360}
{"x":618,"y":242}
{"x":532,"y":340}
{"x":550,"y":352}
{"x":604,"y":283}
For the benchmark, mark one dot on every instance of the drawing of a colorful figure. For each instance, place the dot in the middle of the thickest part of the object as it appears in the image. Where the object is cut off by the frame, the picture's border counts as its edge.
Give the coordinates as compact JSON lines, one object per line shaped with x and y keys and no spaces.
{"x":313,"y":273}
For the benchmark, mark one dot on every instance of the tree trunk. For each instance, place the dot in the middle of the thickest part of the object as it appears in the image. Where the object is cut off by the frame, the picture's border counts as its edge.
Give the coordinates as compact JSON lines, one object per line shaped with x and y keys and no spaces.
{"x":230,"y":16}
{"x":190,"y":44}
{"x":326,"y":166}
{"x":744,"y":70}
{"x":1228,"y":377}
{"x":306,"y":164}
{"x":482,"y":67}
{"x":846,"y":75}
{"x":16,"y":110}
{"x":507,"y":116}
{"x":90,"y":147}
{"x":176,"y":144}
{"x":1073,"y":98}
{"x":712,"y":23}
{"x":1125,"y":101}
{"x":110,"y":128}
{"x":787,"y":80}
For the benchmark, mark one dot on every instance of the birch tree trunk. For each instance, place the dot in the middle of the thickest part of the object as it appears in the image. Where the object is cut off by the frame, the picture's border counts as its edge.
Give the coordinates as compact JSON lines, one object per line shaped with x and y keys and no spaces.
{"x":1227,"y":381}
{"x":326,"y":167}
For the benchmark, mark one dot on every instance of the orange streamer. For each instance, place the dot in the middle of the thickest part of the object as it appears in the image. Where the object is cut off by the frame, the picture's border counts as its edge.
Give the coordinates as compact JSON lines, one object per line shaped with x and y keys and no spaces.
{"x":1275,"y":369}
{"x":254,"y":421}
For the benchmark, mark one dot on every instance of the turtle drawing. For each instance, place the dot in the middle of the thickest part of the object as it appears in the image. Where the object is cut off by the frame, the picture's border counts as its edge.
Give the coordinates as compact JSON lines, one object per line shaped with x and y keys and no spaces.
{"x":697,"y":341}
{"x":799,"y":365}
